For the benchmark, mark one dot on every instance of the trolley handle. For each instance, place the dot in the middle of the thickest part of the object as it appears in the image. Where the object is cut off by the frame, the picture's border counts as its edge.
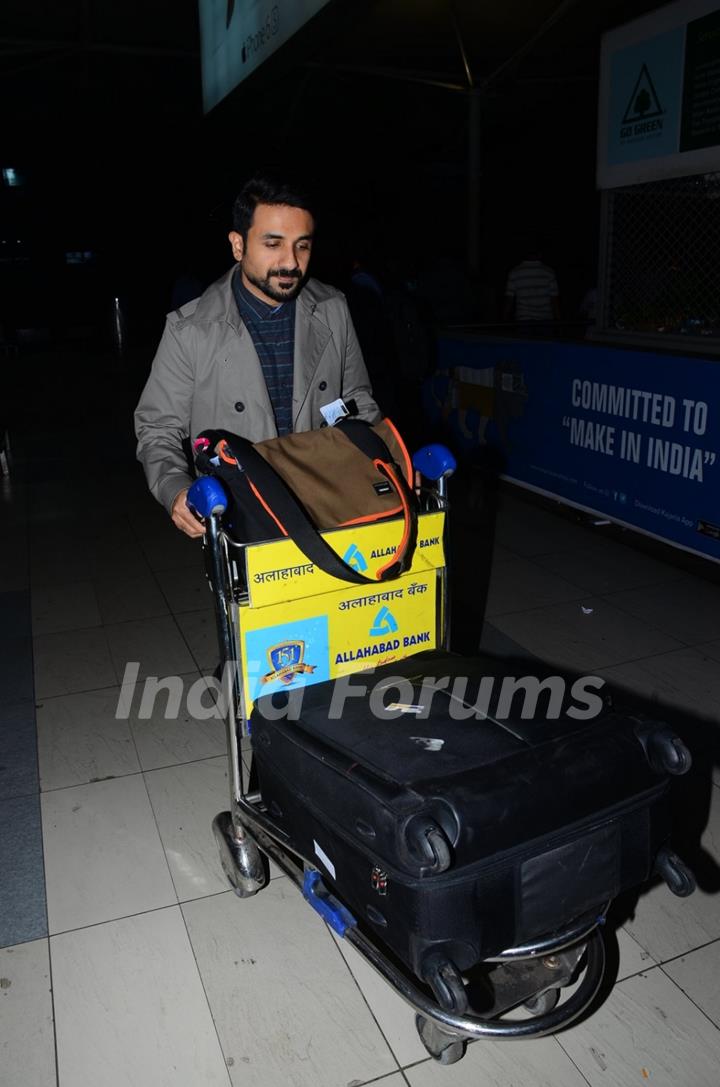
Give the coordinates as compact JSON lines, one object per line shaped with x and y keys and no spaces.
{"x":207,"y":497}
{"x":435,"y":462}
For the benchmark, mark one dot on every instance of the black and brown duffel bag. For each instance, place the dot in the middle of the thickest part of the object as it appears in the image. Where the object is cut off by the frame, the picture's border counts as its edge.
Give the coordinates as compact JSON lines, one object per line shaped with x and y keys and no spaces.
{"x":303,"y":484}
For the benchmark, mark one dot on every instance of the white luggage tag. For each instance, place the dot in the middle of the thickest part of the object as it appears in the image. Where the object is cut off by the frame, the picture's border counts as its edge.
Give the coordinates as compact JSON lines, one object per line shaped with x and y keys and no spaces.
{"x":332,"y":413}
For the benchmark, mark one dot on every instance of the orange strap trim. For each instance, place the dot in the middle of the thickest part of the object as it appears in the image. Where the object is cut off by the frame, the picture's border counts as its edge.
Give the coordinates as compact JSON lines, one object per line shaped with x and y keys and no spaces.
{"x":406,"y":514}
{"x":409,"y":474}
{"x":265,"y":506}
{"x":222,"y":450}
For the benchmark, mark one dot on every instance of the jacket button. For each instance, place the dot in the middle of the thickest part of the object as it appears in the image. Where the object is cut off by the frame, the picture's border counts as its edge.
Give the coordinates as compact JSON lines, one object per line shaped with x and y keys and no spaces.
{"x":239,"y":406}
{"x":322,"y":386}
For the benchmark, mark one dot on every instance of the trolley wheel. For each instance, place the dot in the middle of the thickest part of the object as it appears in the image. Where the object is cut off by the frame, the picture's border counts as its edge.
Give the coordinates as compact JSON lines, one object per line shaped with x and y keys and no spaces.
{"x":444,"y":1048}
{"x":244,"y":865}
{"x":544,"y":1002}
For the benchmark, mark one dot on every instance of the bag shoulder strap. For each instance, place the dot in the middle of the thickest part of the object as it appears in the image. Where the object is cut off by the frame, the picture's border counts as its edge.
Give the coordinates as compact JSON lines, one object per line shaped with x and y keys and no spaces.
{"x":365,"y":438}
{"x":294,"y":521}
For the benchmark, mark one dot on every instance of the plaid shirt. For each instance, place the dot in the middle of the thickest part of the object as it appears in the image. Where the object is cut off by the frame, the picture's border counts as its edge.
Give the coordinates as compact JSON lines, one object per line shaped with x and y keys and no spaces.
{"x":272,"y":329}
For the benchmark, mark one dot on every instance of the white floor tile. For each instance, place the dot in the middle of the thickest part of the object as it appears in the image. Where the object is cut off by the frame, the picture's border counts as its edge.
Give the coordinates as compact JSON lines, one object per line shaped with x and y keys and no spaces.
{"x":199,"y":630}
{"x":103,"y":855}
{"x":647,"y":1031}
{"x":686,"y":679}
{"x":395,"y":1079}
{"x":185,"y":801}
{"x":518,"y":585}
{"x":156,"y":644}
{"x":130,"y":1007}
{"x":689,"y":608}
{"x":395,"y":1018}
{"x":286,"y":1009}
{"x":698,"y":975}
{"x":166,"y":738}
{"x":539,"y":1063}
{"x":588,"y":634}
{"x":634,"y":959}
{"x":76,"y":660}
{"x":81,"y":740}
{"x":666,"y":925}
{"x":121,"y":598}
{"x":27,"y":1043}
{"x":121,"y":559}
{"x":186,"y":589}
{"x":63,"y":606}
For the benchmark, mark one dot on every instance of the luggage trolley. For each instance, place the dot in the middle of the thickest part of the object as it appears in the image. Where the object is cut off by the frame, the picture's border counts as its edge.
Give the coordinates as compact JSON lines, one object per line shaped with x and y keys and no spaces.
{"x":528,"y":977}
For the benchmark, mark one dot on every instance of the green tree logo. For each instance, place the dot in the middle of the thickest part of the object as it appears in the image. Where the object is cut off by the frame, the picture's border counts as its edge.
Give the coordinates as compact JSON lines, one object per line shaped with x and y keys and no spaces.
{"x":643,"y":102}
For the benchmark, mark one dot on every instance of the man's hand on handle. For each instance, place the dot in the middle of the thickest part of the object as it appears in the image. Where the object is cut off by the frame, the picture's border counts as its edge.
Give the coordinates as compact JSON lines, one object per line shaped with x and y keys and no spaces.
{"x":184,"y":518}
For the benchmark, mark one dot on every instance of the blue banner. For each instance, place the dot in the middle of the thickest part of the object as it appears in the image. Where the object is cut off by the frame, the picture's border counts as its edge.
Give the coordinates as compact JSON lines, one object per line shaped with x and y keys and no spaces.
{"x":629,"y":434}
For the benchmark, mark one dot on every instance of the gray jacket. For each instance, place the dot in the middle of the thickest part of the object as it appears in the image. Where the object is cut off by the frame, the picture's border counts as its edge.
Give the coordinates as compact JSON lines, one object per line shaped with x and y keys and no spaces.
{"x":206,"y":374}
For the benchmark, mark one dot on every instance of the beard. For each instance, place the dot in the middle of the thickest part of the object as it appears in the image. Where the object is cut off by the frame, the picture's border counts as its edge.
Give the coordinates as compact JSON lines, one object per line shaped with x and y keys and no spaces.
{"x":273,"y":289}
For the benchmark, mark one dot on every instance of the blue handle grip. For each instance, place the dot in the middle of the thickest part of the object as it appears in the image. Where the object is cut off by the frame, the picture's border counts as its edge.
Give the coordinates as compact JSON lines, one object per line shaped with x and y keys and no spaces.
{"x":434,"y":462}
{"x":207,"y":496}
{"x":338,"y":918}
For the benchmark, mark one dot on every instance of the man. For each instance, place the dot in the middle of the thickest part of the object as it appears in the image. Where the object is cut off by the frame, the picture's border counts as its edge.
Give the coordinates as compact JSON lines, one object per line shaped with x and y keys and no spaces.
{"x":258,"y":354}
{"x":531,"y":294}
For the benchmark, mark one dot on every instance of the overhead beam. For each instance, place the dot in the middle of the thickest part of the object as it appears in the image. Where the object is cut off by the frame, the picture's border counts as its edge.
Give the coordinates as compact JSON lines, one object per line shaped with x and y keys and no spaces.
{"x":531,"y":42}
{"x":426,"y":79}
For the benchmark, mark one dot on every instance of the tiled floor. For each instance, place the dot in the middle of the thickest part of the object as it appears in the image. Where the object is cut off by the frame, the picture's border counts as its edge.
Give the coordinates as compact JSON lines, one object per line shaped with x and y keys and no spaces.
{"x":125,"y":962}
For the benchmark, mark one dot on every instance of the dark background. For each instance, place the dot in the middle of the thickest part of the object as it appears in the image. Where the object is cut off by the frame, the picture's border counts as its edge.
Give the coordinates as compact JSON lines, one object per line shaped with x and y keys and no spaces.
{"x":102,"y":115}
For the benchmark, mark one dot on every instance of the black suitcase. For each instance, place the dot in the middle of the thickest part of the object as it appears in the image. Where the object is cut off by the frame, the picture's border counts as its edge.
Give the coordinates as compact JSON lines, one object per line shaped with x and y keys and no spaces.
{"x":459,"y":839}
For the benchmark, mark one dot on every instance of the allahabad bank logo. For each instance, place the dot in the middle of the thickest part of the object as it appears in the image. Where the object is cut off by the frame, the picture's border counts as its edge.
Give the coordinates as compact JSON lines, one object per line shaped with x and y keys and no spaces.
{"x":643,"y":113}
{"x":355,"y":558}
{"x":384,"y":623}
{"x":287,"y":661}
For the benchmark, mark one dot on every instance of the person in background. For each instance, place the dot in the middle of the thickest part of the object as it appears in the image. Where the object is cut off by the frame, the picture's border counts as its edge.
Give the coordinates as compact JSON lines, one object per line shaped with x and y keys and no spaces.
{"x":531,"y":292}
{"x":259,"y":353}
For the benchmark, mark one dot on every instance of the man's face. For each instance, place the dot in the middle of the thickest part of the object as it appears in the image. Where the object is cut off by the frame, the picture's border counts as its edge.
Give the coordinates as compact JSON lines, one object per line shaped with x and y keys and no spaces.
{"x":276,"y":255}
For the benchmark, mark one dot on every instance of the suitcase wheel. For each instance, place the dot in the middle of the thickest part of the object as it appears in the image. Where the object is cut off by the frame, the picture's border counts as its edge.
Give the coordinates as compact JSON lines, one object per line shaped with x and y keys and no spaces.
{"x":445,"y":980}
{"x":427,"y":841}
{"x":666,"y":752}
{"x":677,"y":875}
{"x":669,"y":753}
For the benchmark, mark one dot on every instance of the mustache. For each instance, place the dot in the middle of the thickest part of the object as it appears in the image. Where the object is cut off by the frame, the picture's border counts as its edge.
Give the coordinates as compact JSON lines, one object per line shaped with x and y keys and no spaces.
{"x":285,"y":273}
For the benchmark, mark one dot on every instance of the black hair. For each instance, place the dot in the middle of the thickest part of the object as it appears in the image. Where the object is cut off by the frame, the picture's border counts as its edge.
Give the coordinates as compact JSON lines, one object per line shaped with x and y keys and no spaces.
{"x":265,"y":190}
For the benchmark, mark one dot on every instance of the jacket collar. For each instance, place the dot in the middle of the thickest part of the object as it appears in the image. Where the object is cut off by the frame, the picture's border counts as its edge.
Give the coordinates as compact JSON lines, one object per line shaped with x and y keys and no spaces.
{"x":217,"y":303}
{"x":312,"y":333}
